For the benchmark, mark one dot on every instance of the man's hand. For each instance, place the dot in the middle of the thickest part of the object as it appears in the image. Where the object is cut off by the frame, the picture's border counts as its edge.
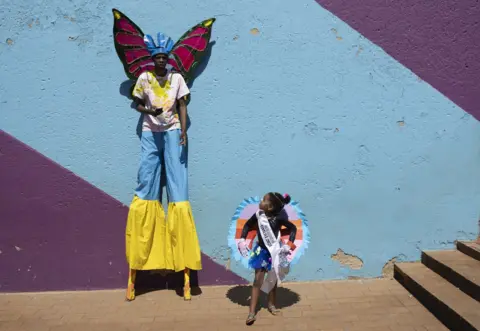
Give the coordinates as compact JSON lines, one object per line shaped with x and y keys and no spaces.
{"x":157,"y":111}
{"x":183,"y":138}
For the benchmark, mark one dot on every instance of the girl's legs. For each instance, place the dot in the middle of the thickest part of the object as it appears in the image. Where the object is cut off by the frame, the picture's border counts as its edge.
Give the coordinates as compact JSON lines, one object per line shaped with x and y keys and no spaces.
{"x":257,"y":284}
{"x":272,"y":299}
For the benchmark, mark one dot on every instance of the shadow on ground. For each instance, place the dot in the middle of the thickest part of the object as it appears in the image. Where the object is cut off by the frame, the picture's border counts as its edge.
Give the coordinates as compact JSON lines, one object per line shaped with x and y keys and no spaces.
{"x":150,"y":281}
{"x":241,"y":296}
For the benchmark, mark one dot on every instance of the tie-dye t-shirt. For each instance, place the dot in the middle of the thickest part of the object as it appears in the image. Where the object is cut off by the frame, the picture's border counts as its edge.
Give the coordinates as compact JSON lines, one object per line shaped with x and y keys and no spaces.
{"x":161,"y":92}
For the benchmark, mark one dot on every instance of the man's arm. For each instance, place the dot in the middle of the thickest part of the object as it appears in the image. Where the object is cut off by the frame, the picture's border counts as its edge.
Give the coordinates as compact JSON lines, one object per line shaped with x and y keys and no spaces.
{"x":183,"y":120}
{"x":140,"y":107}
{"x":139,"y":96}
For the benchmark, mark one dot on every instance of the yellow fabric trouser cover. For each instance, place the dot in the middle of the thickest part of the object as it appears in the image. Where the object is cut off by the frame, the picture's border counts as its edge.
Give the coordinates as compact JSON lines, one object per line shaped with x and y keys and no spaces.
{"x":155,"y":244}
{"x":183,"y":236}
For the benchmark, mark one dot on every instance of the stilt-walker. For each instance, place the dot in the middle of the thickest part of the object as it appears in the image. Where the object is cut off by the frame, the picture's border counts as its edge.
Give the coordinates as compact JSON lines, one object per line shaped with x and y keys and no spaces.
{"x":153,"y":241}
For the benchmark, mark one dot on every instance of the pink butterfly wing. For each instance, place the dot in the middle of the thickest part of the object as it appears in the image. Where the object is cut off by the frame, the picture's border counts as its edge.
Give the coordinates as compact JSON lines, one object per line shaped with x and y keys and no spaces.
{"x":133,"y":55}
{"x":132,"y":51}
{"x":190,"y":49}
{"x":197,"y":42}
{"x":174,"y":64}
{"x":185,"y":57}
{"x":126,"y":39}
{"x":139,"y":65}
{"x":123,"y":24}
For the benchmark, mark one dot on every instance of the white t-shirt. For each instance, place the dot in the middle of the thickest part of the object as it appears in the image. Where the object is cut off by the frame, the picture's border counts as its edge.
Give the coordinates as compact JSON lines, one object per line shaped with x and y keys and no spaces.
{"x":161,"y":92}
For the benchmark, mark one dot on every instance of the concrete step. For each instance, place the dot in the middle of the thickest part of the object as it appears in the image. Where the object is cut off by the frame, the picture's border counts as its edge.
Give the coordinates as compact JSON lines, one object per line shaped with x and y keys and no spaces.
{"x":455,"y":309}
{"x":471,"y":248}
{"x":459,"y":269}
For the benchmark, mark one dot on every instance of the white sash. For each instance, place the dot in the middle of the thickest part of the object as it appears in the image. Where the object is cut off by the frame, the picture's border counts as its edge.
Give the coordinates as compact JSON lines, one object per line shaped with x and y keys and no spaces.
{"x":272,"y":243}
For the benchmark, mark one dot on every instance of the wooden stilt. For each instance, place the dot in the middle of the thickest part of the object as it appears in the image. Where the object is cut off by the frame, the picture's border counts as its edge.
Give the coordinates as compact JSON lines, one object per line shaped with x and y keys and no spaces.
{"x":186,"y":289}
{"x":130,"y":295}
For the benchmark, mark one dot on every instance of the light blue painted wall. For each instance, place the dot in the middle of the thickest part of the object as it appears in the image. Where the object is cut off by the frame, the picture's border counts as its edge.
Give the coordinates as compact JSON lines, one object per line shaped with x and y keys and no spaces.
{"x":264,"y":117}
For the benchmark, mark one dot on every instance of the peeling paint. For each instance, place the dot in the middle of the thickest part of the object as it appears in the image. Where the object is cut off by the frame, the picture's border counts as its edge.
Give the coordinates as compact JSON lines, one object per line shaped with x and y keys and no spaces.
{"x":388,"y":267}
{"x":71,"y":19}
{"x":221,"y":254}
{"x":32,"y":22}
{"x":360,"y":49}
{"x":236,"y":37}
{"x":320,"y":273}
{"x":10,"y":41}
{"x":348,"y":260}
{"x":18,"y":249}
{"x":311,"y":128}
{"x":401,"y":123}
{"x":387,"y":270}
{"x":254,"y":31}
{"x":336,"y":34}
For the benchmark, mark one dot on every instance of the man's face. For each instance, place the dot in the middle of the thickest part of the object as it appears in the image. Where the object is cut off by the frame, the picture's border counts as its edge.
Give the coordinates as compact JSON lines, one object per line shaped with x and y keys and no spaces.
{"x":160,"y":60}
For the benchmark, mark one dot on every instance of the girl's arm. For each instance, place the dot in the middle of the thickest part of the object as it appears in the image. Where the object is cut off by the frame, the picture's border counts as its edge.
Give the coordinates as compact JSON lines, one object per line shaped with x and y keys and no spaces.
{"x":250,"y":225}
{"x":293,"y":232}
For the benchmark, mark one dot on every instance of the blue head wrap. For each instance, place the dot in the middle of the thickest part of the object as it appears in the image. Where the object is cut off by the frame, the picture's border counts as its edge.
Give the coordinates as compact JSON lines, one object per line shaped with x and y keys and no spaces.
{"x":163,"y":46}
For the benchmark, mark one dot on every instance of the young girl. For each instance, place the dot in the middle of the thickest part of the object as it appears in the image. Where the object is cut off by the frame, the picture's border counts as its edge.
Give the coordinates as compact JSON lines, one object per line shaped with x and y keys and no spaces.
{"x":267,"y":253}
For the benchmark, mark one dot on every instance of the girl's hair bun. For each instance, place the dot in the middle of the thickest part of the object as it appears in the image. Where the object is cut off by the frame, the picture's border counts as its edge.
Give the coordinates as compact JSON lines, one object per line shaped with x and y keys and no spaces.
{"x":287,"y":198}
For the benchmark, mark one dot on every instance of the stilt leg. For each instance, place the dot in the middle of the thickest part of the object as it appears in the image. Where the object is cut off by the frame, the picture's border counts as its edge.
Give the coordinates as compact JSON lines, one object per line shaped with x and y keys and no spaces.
{"x":130,"y":295}
{"x":186,"y":289}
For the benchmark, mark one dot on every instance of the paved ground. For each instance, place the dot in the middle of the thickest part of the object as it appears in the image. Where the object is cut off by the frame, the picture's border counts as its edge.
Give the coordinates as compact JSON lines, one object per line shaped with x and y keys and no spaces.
{"x":370,"y":305}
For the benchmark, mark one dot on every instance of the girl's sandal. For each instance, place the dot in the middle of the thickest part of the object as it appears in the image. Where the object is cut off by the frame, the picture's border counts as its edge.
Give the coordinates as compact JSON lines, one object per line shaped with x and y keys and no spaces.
{"x":273,"y":310}
{"x":251,"y":319}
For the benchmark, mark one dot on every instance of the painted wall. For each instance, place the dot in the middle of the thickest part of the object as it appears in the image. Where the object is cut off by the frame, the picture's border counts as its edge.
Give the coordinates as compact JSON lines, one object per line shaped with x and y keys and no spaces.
{"x":364,"y":112}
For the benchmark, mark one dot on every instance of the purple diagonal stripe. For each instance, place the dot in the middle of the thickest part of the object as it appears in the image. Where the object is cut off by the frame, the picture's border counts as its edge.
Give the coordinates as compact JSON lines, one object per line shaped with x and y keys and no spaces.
{"x":59,"y":232}
{"x":438,"y":40}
